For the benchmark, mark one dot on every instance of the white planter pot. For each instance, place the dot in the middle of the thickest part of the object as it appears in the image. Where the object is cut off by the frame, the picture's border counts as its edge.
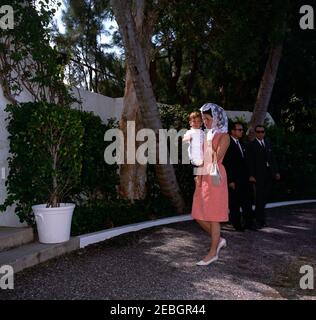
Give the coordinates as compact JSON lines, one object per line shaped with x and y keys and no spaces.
{"x":53,"y":224}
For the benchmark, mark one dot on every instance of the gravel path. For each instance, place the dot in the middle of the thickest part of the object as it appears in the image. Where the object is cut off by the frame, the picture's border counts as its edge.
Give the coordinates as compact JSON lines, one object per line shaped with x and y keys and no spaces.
{"x":159,"y":263}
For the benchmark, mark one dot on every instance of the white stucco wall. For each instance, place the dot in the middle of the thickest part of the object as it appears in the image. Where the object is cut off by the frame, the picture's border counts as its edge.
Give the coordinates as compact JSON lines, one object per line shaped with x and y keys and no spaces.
{"x":104,"y":107}
{"x":246,"y":116}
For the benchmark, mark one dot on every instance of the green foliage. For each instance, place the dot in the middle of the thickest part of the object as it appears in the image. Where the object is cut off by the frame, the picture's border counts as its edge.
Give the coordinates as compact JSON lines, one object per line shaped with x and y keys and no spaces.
{"x":91,"y":217}
{"x":98,"y":179}
{"x":297,"y":116}
{"x":98,"y":214}
{"x":296,"y":156}
{"x":296,"y":82}
{"x":156,"y":203}
{"x":214,"y":50}
{"x":42,"y":134}
{"x":89,"y":64}
{"x":42,"y":76}
{"x":45,"y":160}
{"x":175,"y":116}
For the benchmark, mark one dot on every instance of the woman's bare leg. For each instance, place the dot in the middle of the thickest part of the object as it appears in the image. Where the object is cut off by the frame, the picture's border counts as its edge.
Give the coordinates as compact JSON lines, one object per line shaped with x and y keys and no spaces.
{"x":215,"y":234}
{"x":206,"y":226}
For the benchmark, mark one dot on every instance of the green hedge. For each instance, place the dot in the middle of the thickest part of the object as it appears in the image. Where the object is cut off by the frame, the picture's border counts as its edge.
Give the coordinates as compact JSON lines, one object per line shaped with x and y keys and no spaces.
{"x":98,"y":179}
{"x":98,"y":215}
{"x":35,"y":128}
{"x":95,"y":215}
{"x":32,"y":129}
{"x":296,"y":156}
{"x":45,"y":160}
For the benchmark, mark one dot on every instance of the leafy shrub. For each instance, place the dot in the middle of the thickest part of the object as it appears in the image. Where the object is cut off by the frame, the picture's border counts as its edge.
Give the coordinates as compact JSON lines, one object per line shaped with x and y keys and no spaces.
{"x":98,"y":179}
{"x":296,"y":156}
{"x":98,"y":215}
{"x":175,"y":116}
{"x":90,"y":217}
{"x":45,"y":162}
{"x":41,"y":132}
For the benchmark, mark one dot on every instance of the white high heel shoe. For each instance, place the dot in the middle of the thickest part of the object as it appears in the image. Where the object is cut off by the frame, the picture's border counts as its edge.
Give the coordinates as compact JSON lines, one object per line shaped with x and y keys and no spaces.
{"x":205,"y":263}
{"x":222,"y":244}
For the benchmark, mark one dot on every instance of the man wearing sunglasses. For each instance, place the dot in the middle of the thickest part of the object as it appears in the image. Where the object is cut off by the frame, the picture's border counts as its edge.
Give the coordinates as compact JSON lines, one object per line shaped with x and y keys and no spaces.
{"x":263,"y":170}
{"x":238,"y":181}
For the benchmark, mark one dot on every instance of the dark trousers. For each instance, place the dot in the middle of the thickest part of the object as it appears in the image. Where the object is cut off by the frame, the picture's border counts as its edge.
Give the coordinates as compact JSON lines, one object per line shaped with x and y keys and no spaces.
{"x":240,"y":198}
{"x":262,"y":192}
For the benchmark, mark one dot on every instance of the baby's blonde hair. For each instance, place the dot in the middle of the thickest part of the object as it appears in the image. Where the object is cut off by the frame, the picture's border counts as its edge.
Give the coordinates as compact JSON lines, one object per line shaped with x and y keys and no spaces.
{"x":194,"y":115}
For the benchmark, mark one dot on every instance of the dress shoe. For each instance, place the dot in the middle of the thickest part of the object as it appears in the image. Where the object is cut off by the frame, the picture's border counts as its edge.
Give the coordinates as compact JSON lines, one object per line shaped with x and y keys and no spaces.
{"x":222,"y":244}
{"x":205,"y":263}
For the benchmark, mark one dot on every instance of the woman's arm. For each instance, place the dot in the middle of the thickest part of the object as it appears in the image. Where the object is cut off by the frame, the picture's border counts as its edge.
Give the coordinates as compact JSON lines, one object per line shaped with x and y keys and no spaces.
{"x":223,"y":145}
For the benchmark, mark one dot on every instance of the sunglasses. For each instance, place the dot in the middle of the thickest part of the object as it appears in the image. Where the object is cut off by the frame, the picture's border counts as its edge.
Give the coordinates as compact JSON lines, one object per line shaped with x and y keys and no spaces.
{"x":260,"y":131}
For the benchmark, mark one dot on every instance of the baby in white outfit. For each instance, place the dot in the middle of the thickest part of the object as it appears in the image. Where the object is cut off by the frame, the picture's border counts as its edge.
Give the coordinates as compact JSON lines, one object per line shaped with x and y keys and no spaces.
{"x":195,"y":137}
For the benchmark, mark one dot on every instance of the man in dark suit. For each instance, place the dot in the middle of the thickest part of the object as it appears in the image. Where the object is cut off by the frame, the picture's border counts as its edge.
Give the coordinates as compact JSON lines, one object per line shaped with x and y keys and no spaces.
{"x":238,"y":180}
{"x":262,"y":170}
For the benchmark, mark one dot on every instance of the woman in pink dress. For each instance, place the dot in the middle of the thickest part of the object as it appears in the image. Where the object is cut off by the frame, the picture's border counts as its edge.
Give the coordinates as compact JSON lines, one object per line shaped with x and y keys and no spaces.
{"x":210,"y":200}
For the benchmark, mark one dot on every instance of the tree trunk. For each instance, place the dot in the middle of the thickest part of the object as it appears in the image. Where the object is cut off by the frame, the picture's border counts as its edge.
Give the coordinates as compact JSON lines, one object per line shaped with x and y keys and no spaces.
{"x":265,"y":89}
{"x":133,"y":176}
{"x":147,"y":103}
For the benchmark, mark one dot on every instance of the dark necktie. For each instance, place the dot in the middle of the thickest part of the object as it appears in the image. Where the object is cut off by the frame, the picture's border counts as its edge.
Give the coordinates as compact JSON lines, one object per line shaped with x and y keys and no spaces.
{"x":239,"y":146}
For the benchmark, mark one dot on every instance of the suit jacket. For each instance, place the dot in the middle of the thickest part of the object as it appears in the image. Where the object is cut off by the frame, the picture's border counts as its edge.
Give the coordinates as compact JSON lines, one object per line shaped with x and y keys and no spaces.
{"x":261,"y":161}
{"x":235,"y":164}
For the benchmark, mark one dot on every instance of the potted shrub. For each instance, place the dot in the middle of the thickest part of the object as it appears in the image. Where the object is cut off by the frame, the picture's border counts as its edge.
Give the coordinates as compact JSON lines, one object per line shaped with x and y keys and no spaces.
{"x":45,"y":166}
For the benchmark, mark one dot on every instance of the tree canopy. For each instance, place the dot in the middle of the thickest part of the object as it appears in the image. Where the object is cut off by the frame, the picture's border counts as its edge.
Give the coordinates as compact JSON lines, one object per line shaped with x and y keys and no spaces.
{"x":203,"y":51}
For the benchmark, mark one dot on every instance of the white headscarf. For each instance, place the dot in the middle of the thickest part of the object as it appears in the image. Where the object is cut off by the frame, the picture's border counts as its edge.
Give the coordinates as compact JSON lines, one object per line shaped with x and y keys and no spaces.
{"x":220,"y":120}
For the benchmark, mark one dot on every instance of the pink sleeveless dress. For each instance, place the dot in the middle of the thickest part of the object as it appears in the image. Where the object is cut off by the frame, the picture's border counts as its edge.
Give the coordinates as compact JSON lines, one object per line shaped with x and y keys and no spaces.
{"x":210,"y":203}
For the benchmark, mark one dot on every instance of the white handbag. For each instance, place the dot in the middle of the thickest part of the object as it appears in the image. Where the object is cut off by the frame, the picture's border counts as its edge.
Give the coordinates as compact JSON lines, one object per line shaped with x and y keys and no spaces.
{"x":214,"y":172}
